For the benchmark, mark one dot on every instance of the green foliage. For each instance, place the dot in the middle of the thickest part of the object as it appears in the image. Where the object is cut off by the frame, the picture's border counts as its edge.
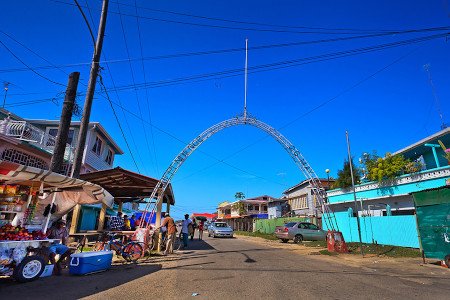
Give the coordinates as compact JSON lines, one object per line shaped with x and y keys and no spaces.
{"x":446,"y":151}
{"x":240,"y":207}
{"x":344,"y":179}
{"x":239,"y":196}
{"x":387,"y":168}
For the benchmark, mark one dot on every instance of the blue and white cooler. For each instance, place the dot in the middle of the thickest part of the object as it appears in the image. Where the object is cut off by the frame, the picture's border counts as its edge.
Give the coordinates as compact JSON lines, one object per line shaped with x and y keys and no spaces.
{"x":90,"y":262}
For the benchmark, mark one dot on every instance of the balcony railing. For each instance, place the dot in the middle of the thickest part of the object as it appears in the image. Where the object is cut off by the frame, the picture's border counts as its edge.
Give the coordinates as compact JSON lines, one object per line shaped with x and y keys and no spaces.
{"x":24,"y":131}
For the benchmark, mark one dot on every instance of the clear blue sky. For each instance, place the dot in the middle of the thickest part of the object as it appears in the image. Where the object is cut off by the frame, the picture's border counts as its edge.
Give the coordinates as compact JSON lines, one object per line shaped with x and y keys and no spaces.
{"x":385,"y":113}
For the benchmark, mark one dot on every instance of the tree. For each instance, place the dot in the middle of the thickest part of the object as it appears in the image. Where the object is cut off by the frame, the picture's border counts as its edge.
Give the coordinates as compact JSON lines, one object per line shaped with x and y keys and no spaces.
{"x":239,"y":196}
{"x":388,"y":167}
{"x":344,"y":179}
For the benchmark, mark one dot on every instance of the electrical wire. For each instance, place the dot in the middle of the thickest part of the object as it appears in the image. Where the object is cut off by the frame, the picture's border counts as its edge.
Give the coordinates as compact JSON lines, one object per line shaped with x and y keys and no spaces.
{"x":278,"y":65}
{"x":336,"y":32}
{"x":230,"y":50}
{"x":117,"y":95}
{"x":118,"y":121}
{"x":30,"y":68}
{"x":134,"y":83}
{"x":155,"y":159}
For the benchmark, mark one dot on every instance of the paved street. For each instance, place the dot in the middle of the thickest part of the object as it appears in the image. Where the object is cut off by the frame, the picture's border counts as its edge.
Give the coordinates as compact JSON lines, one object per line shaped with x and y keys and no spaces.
{"x":240,"y":268}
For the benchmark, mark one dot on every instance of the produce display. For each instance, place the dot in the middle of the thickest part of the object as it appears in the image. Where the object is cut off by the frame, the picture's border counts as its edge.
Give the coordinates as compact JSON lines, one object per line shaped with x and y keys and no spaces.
{"x":17,"y":233}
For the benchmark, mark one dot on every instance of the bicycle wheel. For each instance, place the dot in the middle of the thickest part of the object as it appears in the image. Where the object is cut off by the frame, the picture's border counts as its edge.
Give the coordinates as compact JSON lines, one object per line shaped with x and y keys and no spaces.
{"x":132,"y":251}
{"x":177,"y":243}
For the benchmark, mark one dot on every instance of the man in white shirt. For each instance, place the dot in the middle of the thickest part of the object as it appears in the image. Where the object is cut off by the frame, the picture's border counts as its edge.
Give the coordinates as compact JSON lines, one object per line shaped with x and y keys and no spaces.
{"x":185,"y":229}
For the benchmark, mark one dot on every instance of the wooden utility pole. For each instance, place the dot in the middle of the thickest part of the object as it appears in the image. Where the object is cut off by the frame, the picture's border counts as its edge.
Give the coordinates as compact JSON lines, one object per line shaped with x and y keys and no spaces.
{"x":81,"y":143}
{"x":64,"y":123}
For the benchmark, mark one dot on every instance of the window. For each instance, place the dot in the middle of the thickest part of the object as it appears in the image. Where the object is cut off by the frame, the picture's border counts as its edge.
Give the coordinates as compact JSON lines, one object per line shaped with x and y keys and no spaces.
{"x":290,"y":224}
{"x":54,"y":132}
{"x":313,"y":227}
{"x":97,"y":148}
{"x":250,"y":207}
{"x":109,"y":157}
{"x":264,"y":208}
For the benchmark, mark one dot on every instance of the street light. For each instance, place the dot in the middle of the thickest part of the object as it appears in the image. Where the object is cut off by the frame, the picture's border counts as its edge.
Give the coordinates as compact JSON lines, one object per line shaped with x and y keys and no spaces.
{"x":328,"y":175}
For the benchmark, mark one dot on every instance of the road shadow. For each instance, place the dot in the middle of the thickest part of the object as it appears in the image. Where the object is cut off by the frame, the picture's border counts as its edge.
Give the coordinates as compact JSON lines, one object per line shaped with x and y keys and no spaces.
{"x":75,"y":287}
{"x":196,"y":244}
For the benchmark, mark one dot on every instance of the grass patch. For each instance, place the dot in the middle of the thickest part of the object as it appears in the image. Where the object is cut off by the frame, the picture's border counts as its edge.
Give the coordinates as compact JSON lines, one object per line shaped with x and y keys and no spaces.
{"x":326,"y":252}
{"x":384,"y":250}
{"x":267,"y":236}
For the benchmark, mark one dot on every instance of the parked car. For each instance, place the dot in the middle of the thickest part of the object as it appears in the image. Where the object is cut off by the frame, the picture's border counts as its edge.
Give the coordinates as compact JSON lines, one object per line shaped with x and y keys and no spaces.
{"x":220,"y":229}
{"x":300,"y":231}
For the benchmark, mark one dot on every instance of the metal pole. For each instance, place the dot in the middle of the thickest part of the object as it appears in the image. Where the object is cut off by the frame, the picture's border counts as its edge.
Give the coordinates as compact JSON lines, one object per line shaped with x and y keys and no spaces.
{"x":90,"y":93}
{"x":6,"y":84}
{"x":354,"y":192}
{"x":245,"y":82}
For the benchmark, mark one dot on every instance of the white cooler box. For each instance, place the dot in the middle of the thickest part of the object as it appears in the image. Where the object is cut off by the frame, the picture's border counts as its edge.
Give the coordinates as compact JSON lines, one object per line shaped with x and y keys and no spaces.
{"x":90,"y":262}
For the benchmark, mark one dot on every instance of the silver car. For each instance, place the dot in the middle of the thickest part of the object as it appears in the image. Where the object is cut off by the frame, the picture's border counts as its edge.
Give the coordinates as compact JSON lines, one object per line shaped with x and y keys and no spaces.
{"x":300,"y":231}
{"x":220,"y":229}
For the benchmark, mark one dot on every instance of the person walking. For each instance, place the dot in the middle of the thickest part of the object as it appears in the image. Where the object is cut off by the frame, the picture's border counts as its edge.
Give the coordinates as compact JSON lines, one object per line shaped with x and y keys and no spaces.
{"x":192,"y":228}
{"x":200,"y":229}
{"x":185,"y":229}
{"x":169,"y":223}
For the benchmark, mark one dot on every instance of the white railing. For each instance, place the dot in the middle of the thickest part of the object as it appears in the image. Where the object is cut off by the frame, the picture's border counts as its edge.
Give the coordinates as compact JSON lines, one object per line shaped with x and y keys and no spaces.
{"x":24,"y":131}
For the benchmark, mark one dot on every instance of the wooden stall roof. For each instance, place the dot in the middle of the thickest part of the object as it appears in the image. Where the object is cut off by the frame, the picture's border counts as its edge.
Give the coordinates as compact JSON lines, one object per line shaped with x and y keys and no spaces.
{"x":126,"y":186}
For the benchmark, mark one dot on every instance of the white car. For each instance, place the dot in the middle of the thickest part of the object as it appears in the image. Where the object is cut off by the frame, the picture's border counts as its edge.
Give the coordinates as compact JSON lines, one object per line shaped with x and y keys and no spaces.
{"x":220,"y":229}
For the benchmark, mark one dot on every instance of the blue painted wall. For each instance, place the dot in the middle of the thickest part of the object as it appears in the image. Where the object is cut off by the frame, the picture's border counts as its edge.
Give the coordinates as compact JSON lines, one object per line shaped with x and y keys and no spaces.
{"x":393,"y":230}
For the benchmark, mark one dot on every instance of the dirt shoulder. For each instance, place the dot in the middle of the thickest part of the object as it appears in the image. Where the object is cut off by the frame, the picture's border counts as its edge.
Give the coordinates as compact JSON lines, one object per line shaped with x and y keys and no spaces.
{"x":389,"y":264}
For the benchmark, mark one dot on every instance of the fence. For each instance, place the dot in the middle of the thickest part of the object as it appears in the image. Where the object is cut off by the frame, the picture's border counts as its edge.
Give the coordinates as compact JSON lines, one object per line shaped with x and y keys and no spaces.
{"x":387,"y":230}
{"x":268,"y":225}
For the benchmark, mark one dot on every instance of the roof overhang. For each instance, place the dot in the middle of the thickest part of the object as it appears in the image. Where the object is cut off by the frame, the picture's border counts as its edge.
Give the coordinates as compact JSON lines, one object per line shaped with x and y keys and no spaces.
{"x":127,"y":186}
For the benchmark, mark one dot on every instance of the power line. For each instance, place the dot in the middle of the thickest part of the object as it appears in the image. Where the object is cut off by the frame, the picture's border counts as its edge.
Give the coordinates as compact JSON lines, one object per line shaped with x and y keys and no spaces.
{"x":118,"y":98}
{"x":134,"y":82}
{"x":223,"y":27}
{"x":118,"y":122}
{"x":30,"y":68}
{"x":231,"y":50}
{"x":146,"y":91}
{"x":278,"y":65}
{"x":250,"y":23}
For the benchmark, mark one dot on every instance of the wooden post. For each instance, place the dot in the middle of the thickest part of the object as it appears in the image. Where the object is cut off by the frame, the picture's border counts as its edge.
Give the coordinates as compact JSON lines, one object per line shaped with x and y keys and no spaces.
{"x":119,"y":209}
{"x":101,"y":218}
{"x":64,"y":123}
{"x":90,"y":93}
{"x":75,"y":217}
{"x":158,"y":222}
{"x":168,"y":207}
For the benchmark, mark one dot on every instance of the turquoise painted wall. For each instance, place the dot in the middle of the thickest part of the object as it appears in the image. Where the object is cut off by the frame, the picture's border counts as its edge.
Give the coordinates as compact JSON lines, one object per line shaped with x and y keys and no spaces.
{"x":89,"y":216}
{"x":393,"y":230}
{"x":389,"y":190}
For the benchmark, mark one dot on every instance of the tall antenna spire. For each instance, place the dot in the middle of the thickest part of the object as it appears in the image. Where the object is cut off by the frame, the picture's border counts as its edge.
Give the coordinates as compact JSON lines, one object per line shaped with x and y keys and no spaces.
{"x":436,"y":99}
{"x":245,"y":82}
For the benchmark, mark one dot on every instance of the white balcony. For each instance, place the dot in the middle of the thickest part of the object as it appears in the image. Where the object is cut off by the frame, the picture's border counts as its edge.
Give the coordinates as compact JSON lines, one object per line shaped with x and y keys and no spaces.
{"x":26,"y":132}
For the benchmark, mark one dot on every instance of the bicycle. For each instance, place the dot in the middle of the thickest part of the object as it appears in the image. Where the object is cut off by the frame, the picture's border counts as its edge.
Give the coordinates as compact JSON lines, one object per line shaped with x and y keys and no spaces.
{"x":153,"y":241}
{"x":130,"y":251}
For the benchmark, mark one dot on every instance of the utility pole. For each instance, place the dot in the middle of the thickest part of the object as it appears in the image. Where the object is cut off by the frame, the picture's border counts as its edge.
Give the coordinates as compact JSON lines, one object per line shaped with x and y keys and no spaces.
{"x":81,"y":143}
{"x":5,"y":85}
{"x":354,"y":193}
{"x":64,"y":123}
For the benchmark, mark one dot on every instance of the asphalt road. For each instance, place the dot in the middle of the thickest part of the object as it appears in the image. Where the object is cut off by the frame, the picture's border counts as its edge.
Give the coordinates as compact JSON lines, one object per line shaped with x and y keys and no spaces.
{"x":233,"y":269}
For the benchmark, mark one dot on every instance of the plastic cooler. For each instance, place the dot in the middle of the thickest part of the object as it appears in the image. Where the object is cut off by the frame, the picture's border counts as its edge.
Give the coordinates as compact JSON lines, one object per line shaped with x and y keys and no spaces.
{"x":90,"y":262}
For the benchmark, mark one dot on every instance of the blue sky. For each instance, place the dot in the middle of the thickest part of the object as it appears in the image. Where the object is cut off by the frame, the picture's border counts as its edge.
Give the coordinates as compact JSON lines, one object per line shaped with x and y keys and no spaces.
{"x":386,"y":112}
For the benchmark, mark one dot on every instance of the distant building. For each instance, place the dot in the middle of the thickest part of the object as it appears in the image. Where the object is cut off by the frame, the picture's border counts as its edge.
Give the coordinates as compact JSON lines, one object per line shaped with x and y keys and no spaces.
{"x":241,"y":213}
{"x":302,"y":200}
{"x":277,"y":208}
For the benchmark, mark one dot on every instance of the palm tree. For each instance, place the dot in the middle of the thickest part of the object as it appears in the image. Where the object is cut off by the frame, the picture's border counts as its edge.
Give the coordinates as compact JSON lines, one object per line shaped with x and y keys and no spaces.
{"x":239,"y":196}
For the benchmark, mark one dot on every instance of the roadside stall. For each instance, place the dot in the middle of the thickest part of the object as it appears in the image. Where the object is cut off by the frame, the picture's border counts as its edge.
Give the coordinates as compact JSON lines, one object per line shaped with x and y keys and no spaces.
{"x":31,"y":200}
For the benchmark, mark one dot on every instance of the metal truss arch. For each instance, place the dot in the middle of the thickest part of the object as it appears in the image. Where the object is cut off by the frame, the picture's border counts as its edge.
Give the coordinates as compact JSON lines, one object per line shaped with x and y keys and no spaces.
{"x":294,"y":153}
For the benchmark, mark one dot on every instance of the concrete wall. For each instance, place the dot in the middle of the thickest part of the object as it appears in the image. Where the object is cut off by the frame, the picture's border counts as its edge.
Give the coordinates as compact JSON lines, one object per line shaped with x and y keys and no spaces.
{"x":394,"y":230}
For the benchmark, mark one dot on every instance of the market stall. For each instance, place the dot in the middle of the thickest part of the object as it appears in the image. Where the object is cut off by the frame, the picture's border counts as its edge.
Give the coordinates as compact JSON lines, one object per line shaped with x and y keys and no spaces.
{"x":31,"y":200}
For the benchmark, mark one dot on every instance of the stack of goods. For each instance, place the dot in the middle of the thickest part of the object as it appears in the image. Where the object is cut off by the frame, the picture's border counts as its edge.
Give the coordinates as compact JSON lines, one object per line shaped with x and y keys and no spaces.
{"x":13,"y":233}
